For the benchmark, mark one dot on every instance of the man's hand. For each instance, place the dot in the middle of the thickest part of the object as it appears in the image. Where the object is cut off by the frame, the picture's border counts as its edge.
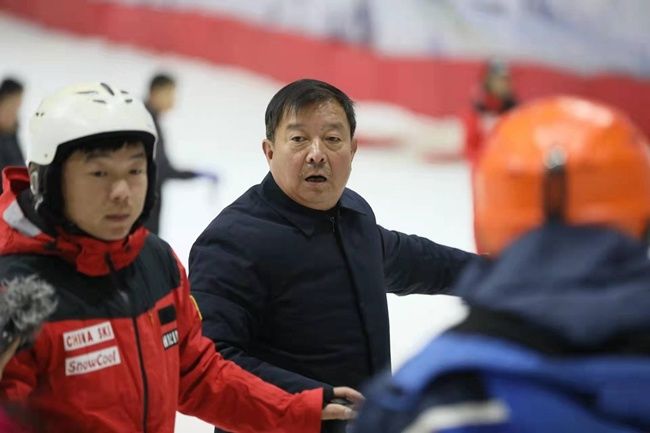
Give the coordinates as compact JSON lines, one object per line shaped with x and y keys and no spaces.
{"x":209,"y":176}
{"x":336,"y":410}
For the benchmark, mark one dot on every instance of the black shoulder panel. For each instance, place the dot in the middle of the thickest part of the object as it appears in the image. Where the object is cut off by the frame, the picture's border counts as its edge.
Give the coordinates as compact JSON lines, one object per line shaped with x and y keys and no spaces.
{"x":127,"y":293}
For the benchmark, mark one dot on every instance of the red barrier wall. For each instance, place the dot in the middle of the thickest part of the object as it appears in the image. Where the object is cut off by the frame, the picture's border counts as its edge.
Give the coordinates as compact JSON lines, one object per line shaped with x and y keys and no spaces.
{"x":433,"y":86}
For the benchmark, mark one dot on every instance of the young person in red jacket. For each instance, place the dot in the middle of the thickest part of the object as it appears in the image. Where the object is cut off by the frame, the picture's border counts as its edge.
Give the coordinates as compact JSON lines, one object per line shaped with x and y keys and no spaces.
{"x":123,"y":351}
{"x":495,"y":97}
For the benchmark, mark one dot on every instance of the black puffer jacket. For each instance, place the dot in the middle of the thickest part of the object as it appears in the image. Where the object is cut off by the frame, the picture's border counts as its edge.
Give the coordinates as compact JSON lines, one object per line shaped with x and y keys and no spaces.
{"x":298,"y":296}
{"x":10,"y":152}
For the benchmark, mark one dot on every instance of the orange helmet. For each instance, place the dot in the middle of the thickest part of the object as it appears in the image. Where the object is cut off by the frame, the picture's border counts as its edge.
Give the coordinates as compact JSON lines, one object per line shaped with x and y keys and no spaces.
{"x":565,"y":158}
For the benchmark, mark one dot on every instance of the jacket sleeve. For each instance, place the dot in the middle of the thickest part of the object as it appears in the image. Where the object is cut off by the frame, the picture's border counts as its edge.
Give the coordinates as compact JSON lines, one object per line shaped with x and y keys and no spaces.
{"x":413,"y":264}
{"x":19,"y":377}
{"x":221,"y":393}
{"x":231,"y":299}
{"x":377,"y":417}
{"x":452,"y":404}
{"x":167,"y":170}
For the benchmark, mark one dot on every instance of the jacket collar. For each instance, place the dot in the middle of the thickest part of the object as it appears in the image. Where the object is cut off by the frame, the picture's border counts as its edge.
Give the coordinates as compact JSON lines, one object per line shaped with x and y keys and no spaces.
{"x":21,"y":234}
{"x":587,"y":284}
{"x":303,"y":217}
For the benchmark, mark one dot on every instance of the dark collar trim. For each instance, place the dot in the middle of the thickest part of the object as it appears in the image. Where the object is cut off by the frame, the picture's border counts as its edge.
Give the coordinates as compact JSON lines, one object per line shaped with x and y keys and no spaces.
{"x":299,"y":215}
{"x":518,"y":330}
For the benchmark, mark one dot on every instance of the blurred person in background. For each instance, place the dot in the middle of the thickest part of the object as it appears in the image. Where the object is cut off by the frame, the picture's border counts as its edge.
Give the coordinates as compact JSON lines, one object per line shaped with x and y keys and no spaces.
{"x":123,"y":351}
{"x":291,"y":278}
{"x":496,"y":96}
{"x":557,"y":337}
{"x":11,"y":98}
{"x":161,"y":99}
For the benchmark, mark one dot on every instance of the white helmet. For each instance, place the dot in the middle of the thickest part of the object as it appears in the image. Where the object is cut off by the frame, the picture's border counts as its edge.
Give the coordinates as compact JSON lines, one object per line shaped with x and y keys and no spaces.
{"x":83,"y":111}
{"x":79,"y":115}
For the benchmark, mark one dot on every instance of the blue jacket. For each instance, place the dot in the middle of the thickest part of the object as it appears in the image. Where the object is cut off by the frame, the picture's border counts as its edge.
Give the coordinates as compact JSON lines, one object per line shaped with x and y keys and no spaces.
{"x":298,"y":296}
{"x":556,"y":341}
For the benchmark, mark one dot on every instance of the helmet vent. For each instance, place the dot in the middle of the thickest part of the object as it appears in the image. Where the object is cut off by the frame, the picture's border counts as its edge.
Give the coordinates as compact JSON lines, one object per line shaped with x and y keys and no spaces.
{"x":87,"y":92}
{"x":128,"y":101}
{"x":124,"y":92}
{"x":101,"y":101}
{"x":108,"y":88}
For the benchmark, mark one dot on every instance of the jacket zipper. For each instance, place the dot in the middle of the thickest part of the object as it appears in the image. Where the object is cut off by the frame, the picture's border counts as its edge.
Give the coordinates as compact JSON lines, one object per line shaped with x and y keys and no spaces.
{"x":131,"y":307}
{"x":339,"y":242}
{"x":144,"y":375}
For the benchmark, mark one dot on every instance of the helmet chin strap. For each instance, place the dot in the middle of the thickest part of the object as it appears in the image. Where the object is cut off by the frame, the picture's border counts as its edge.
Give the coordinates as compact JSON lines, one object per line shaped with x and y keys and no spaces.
{"x":555,"y":185}
{"x":34,"y":189}
{"x":51,"y":217}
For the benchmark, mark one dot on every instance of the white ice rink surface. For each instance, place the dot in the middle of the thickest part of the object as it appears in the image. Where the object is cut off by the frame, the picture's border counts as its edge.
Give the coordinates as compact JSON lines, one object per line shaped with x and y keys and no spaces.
{"x":218,"y":125}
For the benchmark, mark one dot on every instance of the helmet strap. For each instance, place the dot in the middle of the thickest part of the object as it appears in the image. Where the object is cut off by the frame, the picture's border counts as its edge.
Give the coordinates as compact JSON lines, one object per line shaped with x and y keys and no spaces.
{"x":646,"y":236}
{"x":555,"y":194}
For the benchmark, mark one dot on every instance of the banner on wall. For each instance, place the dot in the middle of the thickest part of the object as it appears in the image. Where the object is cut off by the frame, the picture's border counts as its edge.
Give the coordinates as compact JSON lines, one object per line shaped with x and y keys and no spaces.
{"x":425,"y":55}
{"x":584,"y":35}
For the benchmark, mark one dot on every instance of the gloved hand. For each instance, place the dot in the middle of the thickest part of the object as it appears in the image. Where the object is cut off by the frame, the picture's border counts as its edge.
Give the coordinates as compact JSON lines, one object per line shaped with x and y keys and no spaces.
{"x":212,"y":177}
{"x":344,"y":405}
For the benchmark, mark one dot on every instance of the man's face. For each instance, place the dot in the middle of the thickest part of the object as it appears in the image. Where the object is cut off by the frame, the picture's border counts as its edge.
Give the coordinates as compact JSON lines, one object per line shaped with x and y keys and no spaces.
{"x":164,"y":98}
{"x":499,"y":85}
{"x":311,"y":154}
{"x":104,"y":191}
{"x":9,"y":108}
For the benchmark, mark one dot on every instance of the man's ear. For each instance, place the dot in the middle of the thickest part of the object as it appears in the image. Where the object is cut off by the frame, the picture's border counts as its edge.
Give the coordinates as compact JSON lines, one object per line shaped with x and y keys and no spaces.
{"x":267,"y":147}
{"x":354,"y":147}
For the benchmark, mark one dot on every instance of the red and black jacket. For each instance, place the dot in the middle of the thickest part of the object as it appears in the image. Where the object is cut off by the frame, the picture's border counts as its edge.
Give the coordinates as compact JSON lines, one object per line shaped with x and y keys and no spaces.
{"x":124,"y":350}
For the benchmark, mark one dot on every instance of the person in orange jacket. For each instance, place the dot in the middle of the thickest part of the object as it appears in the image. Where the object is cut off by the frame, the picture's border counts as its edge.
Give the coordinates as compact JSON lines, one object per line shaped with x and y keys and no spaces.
{"x":495,"y":97}
{"x":123,"y":351}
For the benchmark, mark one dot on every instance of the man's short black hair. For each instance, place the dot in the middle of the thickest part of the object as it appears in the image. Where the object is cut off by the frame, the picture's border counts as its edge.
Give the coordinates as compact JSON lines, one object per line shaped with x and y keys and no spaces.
{"x":304,"y":93}
{"x":160,"y":80}
{"x":10,"y":86}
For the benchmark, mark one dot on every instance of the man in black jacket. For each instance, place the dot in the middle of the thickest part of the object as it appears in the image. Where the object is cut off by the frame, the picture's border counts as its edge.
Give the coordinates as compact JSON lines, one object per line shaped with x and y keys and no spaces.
{"x":291,"y":278}
{"x":11,"y":97}
{"x":161,"y":98}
